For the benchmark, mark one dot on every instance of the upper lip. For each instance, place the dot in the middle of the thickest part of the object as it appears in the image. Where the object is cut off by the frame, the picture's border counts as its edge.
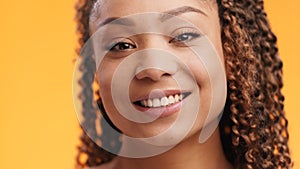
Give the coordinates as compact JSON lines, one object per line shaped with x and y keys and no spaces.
{"x":159,"y":93}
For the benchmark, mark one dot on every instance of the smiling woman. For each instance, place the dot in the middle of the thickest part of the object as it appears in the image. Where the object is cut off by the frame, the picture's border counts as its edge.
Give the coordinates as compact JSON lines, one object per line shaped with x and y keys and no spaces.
{"x":167,"y":74}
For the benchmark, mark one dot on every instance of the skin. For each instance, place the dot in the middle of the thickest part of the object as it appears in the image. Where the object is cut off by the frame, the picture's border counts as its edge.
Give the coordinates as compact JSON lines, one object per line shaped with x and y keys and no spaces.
{"x":189,"y":153}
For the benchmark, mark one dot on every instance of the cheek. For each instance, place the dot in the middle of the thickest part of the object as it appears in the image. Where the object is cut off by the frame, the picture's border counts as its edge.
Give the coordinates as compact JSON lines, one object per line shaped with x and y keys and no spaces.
{"x":205,"y":91}
{"x":198,"y":69}
{"x":104,"y":75}
{"x":214,"y":37}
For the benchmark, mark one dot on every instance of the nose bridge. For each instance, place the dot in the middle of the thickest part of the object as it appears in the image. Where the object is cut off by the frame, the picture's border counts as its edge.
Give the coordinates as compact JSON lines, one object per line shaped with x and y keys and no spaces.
{"x":154,"y":63}
{"x":153,"y":40}
{"x":151,"y":59}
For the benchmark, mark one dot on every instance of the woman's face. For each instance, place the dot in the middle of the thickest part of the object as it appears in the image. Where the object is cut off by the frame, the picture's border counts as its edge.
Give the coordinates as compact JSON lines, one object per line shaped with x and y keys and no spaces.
{"x":147,"y":80}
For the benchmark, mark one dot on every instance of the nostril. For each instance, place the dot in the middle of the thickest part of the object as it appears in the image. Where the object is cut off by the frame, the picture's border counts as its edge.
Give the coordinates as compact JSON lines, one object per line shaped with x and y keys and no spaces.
{"x":151,"y":73}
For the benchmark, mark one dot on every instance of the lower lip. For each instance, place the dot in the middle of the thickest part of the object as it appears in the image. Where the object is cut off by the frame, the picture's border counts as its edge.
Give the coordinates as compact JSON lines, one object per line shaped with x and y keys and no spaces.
{"x":160,"y":112}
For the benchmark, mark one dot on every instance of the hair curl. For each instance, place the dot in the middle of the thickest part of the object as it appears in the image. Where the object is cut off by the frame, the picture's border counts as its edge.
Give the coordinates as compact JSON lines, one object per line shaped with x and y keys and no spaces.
{"x":253,"y":127}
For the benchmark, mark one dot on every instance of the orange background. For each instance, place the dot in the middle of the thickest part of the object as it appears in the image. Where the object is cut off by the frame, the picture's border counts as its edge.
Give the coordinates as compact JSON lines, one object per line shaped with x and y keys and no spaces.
{"x":38,"y":125}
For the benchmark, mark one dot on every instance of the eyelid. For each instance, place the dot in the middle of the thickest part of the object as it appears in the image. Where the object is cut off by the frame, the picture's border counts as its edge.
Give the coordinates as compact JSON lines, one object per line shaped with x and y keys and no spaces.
{"x":115,"y":41}
{"x":184,"y":30}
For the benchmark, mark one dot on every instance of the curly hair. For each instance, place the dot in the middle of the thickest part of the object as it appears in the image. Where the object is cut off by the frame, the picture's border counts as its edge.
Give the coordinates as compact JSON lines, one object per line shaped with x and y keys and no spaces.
{"x":253,"y":126}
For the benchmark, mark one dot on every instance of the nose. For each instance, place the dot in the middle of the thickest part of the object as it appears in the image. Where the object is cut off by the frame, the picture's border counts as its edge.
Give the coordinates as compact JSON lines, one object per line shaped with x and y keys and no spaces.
{"x":151,"y":73}
{"x":154,"y":64}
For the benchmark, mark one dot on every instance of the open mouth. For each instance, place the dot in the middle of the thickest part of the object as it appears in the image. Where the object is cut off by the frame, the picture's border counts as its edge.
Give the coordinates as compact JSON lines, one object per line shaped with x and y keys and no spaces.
{"x":164,"y":101}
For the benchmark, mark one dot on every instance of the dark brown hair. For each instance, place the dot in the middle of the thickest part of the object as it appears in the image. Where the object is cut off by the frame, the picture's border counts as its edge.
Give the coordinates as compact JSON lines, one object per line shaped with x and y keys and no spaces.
{"x":253,"y":127}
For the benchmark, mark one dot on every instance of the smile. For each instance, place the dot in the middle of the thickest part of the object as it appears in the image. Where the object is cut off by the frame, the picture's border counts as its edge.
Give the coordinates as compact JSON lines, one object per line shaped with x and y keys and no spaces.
{"x":162,"y":101}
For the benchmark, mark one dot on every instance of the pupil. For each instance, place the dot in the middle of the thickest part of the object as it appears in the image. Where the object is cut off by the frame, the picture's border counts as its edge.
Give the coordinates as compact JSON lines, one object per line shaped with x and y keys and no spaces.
{"x":183,"y":37}
{"x":124,"y":46}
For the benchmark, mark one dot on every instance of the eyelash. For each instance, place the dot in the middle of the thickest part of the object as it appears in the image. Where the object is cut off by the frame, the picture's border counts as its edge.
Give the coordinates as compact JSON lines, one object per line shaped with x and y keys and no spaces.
{"x":178,"y":40}
{"x":117,"y":44}
{"x":190,"y":35}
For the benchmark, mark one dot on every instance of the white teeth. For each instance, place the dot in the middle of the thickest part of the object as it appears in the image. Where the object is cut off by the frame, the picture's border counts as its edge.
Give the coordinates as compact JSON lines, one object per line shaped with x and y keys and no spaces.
{"x":164,"y":101}
{"x":176,"y":98}
{"x":156,"y":103}
{"x":171,"y":100}
{"x":160,"y":102}
{"x":180,"y":97}
{"x":144,"y":103}
{"x":149,"y":102}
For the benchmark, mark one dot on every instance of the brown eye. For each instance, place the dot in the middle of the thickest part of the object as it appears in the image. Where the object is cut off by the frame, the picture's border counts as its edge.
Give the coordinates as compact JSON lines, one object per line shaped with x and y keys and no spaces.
{"x":122,"y":46}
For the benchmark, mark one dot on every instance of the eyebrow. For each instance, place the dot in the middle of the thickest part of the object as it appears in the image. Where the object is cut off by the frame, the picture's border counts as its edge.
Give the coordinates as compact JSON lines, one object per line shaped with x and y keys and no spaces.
{"x":167,"y":15}
{"x":178,"y":11}
{"x":118,"y":21}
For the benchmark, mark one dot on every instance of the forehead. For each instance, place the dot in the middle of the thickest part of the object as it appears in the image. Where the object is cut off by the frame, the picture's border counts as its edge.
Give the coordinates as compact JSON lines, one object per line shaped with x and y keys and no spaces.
{"x":104,"y":9}
{"x":118,"y":8}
